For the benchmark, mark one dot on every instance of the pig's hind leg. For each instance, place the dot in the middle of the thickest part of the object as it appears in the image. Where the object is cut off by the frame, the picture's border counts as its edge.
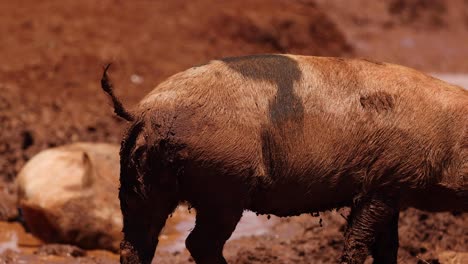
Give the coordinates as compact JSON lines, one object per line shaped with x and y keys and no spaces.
{"x":372,"y":229}
{"x":212,"y":228}
{"x":385,"y":248}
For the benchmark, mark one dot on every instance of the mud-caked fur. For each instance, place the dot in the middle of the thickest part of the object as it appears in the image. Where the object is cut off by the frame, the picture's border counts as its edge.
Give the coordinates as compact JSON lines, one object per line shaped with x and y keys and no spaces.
{"x":285,"y":135}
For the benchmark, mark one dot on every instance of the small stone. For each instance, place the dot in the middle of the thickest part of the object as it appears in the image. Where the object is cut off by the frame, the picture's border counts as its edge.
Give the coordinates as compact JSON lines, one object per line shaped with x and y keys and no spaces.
{"x":136,"y":79}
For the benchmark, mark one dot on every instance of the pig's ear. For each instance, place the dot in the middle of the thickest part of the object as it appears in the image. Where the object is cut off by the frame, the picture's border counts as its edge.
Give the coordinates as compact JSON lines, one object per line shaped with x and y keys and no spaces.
{"x":88,"y":177}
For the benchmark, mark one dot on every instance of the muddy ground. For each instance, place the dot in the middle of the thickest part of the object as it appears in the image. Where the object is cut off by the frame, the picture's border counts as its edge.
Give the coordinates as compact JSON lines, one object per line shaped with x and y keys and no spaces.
{"x":52,"y":53}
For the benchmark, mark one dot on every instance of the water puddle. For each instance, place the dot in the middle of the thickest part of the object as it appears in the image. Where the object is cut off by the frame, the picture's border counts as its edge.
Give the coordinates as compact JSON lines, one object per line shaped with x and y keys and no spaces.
{"x":14,"y":237}
{"x":178,"y":227}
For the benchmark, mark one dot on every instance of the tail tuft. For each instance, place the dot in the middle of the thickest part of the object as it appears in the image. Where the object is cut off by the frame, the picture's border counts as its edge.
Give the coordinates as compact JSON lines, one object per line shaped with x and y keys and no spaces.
{"x":119,"y":109}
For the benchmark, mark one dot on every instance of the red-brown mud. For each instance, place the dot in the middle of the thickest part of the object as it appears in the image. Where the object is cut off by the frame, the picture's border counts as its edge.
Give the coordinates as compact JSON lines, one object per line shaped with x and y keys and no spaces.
{"x":52,"y":53}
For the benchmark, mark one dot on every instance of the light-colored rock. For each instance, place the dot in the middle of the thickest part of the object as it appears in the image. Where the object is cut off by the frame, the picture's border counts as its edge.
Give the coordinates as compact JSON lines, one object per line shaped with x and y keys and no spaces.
{"x":452,"y":257}
{"x":69,"y":194}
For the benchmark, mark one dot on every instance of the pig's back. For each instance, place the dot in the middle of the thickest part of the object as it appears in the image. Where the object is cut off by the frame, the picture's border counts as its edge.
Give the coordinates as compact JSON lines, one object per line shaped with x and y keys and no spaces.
{"x":276,"y":115}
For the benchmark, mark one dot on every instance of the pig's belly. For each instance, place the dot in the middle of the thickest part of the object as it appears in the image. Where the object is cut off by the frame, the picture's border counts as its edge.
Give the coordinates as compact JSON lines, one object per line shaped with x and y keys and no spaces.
{"x":288,"y":198}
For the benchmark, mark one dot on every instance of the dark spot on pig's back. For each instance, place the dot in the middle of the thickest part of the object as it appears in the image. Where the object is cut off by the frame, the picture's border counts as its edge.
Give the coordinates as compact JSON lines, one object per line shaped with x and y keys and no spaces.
{"x":286,"y":110}
{"x":279,"y":70}
{"x":378,"y":101}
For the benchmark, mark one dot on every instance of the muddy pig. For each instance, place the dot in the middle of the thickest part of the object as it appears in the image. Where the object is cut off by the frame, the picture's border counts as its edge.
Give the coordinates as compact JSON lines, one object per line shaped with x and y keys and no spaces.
{"x":286,"y":135}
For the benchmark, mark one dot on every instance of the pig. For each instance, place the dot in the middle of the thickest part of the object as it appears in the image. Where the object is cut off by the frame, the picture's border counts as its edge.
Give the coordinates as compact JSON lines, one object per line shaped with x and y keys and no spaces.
{"x":287,"y":135}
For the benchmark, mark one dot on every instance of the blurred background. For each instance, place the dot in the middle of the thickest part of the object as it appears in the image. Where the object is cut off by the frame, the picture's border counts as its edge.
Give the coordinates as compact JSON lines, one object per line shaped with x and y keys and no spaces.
{"x":51,"y":58}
